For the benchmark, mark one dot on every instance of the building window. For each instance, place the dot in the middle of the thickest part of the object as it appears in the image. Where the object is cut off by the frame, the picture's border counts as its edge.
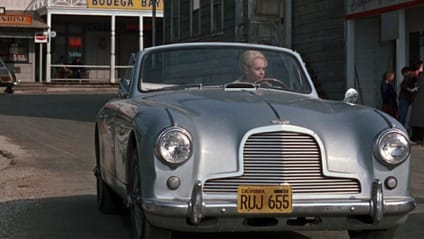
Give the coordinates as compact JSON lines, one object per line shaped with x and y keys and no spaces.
{"x":416,"y":47}
{"x":175,"y":19}
{"x":14,"y":50}
{"x":195,"y":17}
{"x":217,"y":13}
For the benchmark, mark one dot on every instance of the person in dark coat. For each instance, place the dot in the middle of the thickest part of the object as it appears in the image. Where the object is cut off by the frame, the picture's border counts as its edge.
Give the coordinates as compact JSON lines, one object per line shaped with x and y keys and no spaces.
{"x":76,"y":70}
{"x":417,"y":114}
{"x":406,"y":94}
{"x":389,"y":95}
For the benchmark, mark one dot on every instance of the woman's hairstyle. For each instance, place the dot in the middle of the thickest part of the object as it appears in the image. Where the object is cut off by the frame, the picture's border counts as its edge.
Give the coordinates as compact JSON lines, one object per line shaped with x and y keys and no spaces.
{"x":247,"y":58}
{"x":387,"y":74}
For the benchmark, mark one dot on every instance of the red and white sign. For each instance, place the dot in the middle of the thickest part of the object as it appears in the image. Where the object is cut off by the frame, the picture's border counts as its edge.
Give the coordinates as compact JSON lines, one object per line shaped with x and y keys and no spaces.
{"x":41,"y":37}
{"x":365,"y":8}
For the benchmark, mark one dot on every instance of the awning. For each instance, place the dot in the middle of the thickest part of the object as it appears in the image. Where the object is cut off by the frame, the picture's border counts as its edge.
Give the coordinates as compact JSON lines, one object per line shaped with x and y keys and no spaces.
{"x":22,"y":19}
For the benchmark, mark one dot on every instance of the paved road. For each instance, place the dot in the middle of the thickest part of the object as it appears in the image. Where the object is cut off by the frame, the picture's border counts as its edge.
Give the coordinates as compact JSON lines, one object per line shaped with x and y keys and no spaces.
{"x":48,"y":191}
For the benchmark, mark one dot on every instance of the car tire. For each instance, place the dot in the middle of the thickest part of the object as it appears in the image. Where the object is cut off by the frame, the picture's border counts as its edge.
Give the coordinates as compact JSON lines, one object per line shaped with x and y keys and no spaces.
{"x":373,"y":234}
{"x":8,"y":90}
{"x":107,"y":200}
{"x":141,"y":228}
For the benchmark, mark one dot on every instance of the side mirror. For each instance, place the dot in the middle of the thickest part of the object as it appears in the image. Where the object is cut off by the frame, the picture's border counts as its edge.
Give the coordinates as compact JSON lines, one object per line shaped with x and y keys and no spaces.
{"x":351,"y":96}
{"x":124,"y":88}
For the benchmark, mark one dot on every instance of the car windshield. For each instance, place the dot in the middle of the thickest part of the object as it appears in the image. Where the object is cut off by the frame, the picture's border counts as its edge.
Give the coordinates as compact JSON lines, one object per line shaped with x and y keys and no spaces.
{"x":3,"y":69}
{"x":2,"y":64}
{"x":200,"y":66}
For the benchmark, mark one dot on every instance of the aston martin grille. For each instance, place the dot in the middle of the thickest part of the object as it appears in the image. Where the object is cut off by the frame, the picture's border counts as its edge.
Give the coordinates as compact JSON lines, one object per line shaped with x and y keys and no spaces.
{"x":274,"y":158}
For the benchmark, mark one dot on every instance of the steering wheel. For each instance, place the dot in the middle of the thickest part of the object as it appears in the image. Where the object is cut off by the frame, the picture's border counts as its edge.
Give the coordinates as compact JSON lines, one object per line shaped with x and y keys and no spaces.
{"x":272,"y":81}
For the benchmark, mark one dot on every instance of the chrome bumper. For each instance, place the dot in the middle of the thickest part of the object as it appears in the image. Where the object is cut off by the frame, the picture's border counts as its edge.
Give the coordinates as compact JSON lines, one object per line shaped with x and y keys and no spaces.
{"x":197,"y":209}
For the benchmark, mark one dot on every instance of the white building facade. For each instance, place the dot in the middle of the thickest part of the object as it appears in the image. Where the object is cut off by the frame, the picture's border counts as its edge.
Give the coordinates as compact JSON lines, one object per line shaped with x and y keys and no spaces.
{"x":381,"y":35}
{"x":17,"y":30}
{"x":100,"y":34}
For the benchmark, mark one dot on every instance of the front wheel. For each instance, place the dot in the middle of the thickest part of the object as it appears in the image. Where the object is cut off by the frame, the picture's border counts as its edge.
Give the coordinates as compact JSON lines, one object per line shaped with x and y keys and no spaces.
{"x":107,"y":200}
{"x":373,"y":234}
{"x":141,"y":228}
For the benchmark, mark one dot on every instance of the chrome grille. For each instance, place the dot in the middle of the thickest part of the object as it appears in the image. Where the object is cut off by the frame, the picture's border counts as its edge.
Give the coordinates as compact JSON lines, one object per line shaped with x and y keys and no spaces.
{"x":279,"y":157}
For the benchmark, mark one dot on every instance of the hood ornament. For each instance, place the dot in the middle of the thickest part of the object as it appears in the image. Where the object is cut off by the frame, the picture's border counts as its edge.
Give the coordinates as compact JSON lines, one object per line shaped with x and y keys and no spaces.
{"x":280,"y":121}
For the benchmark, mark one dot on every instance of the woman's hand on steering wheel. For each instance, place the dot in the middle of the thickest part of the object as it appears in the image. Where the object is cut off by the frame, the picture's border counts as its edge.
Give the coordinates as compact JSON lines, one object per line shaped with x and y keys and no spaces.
{"x":272,"y":81}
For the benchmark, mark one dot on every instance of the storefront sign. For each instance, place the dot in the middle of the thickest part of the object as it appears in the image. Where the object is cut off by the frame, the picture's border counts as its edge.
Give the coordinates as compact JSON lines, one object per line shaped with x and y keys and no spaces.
{"x":125,"y":4}
{"x":15,"y":19}
{"x":361,"y":8}
{"x":41,"y":37}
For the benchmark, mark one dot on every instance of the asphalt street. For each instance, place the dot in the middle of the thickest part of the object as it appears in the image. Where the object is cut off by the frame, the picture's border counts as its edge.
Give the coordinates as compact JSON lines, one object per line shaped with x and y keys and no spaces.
{"x":51,"y":186}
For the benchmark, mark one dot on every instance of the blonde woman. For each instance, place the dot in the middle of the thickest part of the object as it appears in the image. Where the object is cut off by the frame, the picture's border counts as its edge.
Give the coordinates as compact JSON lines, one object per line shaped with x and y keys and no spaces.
{"x":252,"y":66}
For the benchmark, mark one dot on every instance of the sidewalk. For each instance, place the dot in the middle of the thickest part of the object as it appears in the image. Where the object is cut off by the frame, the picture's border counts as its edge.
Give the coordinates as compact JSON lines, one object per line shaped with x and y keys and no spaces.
{"x":64,"y":87}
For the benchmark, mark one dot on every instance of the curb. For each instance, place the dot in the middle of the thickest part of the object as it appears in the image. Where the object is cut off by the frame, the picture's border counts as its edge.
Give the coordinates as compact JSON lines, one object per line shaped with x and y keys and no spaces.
{"x":31,"y":88}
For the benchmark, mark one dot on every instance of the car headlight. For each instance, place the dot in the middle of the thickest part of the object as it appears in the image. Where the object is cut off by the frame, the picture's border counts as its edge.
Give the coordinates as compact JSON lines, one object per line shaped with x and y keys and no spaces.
{"x":392,"y":147}
{"x":174,"y":145}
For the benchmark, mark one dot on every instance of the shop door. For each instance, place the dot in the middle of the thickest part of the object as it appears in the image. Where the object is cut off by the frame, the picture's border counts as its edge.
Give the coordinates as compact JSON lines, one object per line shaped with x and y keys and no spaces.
{"x":416,"y":47}
{"x":415,"y":29}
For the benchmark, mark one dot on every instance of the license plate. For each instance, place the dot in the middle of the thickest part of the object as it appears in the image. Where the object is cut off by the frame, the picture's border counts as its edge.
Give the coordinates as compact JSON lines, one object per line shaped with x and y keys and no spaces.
{"x":264,"y":199}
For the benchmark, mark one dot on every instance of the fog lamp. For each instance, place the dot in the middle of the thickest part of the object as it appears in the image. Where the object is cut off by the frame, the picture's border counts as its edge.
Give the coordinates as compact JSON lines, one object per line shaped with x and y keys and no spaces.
{"x":391,"y":183}
{"x":173,"y":182}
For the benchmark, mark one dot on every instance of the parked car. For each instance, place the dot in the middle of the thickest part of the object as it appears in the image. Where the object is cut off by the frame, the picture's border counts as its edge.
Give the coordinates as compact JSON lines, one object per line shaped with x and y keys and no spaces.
{"x":7,"y":78}
{"x":190,"y":144}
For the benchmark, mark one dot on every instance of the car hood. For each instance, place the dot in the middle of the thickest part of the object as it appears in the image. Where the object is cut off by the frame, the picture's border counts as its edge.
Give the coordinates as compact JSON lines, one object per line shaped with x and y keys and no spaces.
{"x":251,"y":109}
{"x":218,"y":120}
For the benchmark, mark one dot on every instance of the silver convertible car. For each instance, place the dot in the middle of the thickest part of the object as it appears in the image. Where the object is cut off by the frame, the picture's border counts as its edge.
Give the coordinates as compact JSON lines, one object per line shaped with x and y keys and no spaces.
{"x":233,"y":137}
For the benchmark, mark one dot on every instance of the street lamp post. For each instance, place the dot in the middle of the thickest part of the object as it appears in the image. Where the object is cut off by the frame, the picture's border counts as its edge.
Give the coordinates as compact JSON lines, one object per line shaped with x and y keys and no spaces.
{"x":154,"y":23}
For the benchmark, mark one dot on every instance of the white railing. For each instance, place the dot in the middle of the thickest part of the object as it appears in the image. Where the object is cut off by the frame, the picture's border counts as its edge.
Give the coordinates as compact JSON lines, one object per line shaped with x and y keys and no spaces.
{"x":86,"y":73}
{"x":37,"y":4}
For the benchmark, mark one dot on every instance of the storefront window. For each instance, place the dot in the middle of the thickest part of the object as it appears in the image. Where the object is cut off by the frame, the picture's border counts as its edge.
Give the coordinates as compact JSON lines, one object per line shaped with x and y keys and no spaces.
{"x":14,"y":50}
{"x":217,"y":8}
{"x":416,"y":47}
